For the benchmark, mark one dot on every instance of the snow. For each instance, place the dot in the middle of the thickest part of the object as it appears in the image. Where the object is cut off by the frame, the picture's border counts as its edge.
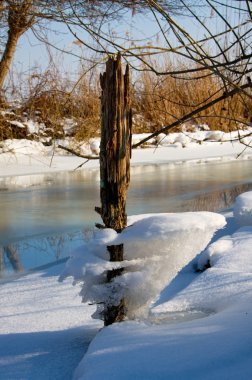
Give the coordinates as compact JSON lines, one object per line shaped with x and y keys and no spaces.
{"x":44,"y":330}
{"x":243,"y":209}
{"x":95,"y":147}
{"x":189,"y":287}
{"x":156,"y":248}
{"x":17,"y":124}
{"x":194,"y":350}
{"x":34,"y":127}
{"x":69,"y":126}
{"x":23,"y":147}
{"x":215,"y":136}
{"x":20,"y":157}
{"x":199,"y":328}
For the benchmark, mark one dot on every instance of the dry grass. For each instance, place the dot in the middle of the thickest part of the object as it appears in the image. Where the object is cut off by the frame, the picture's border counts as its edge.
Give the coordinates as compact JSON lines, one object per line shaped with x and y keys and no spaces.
{"x":156,"y":102}
{"x":159,"y":102}
{"x":52,"y":100}
{"x":49,"y":96}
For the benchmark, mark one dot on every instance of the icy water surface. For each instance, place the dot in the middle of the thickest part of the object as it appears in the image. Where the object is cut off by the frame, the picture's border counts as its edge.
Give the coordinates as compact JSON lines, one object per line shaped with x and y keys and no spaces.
{"x":49,"y":209}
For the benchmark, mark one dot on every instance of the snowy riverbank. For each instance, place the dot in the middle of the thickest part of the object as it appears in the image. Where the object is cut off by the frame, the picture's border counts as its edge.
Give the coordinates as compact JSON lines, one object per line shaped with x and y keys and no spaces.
{"x":25,"y":157}
{"x":197,"y":326}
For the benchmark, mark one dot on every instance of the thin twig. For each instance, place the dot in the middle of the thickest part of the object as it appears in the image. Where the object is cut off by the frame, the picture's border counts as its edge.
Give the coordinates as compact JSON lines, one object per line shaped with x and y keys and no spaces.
{"x":78,"y":154}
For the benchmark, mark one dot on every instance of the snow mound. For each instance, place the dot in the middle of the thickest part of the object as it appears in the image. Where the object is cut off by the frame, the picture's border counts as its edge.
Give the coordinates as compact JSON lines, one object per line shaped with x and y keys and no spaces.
{"x":95,"y":146}
{"x":165,"y":243}
{"x":233,"y":253}
{"x":156,"y":248}
{"x":243,"y":209}
{"x":183,"y":139}
{"x":227,"y":282}
{"x":23,"y":146}
{"x":215,"y":135}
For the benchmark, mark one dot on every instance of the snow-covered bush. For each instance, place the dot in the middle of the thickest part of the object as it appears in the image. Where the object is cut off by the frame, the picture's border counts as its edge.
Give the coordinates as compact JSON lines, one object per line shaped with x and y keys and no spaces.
{"x":156,"y":248}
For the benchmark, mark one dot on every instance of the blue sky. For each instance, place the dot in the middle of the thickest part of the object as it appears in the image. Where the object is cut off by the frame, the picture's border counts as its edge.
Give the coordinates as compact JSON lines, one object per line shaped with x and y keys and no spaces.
{"x":31,"y":53}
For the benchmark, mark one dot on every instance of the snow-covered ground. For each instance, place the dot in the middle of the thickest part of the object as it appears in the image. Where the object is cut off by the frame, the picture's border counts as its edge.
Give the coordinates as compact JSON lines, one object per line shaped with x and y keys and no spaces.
{"x":20,"y":157}
{"x":44,"y":329}
{"x":187,"y":324}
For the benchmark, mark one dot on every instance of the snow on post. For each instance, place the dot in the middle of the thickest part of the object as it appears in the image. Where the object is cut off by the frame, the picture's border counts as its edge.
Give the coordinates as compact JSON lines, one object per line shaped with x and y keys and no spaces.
{"x":156,"y":248}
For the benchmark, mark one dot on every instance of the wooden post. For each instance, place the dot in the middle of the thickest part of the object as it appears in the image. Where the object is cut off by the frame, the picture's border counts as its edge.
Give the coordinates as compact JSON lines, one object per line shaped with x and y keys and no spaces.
{"x":115,"y":153}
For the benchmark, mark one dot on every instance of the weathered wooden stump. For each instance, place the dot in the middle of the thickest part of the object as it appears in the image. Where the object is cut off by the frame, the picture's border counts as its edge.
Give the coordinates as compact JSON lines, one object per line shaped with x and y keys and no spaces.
{"x":115,"y":153}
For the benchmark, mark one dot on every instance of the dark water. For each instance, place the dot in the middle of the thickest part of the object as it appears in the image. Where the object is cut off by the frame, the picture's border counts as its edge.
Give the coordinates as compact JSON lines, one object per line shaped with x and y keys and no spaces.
{"x":45,"y":205}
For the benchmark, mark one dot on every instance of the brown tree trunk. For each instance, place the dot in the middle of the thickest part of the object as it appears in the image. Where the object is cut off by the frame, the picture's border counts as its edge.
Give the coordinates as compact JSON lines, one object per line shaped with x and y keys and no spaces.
{"x":8,"y":55}
{"x":115,"y":152}
{"x":20,"y":19}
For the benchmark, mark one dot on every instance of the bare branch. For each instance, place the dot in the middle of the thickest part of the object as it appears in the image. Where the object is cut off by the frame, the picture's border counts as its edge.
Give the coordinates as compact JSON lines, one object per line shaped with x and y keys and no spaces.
{"x":72,"y":151}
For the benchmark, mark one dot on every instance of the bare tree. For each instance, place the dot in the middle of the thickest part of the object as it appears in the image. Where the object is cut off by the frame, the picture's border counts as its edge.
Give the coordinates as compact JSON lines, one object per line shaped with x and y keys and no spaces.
{"x":18,"y":16}
{"x":214,"y":41}
{"x":223,"y":52}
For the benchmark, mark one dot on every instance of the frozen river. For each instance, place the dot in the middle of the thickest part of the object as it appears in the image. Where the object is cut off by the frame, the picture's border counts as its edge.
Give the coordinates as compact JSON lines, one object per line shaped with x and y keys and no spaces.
{"x":42,"y":205}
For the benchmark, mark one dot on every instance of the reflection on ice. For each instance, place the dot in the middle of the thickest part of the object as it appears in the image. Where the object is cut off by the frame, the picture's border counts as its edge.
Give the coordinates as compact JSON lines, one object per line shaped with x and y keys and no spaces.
{"x":218,"y":200}
{"x":32,"y":253}
{"x":10,"y":252}
{"x":43,"y":180}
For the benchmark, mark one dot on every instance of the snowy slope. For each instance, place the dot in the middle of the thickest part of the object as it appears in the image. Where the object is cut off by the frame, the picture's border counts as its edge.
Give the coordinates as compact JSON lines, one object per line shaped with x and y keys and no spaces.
{"x":44,"y":330}
{"x":199,"y":329}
